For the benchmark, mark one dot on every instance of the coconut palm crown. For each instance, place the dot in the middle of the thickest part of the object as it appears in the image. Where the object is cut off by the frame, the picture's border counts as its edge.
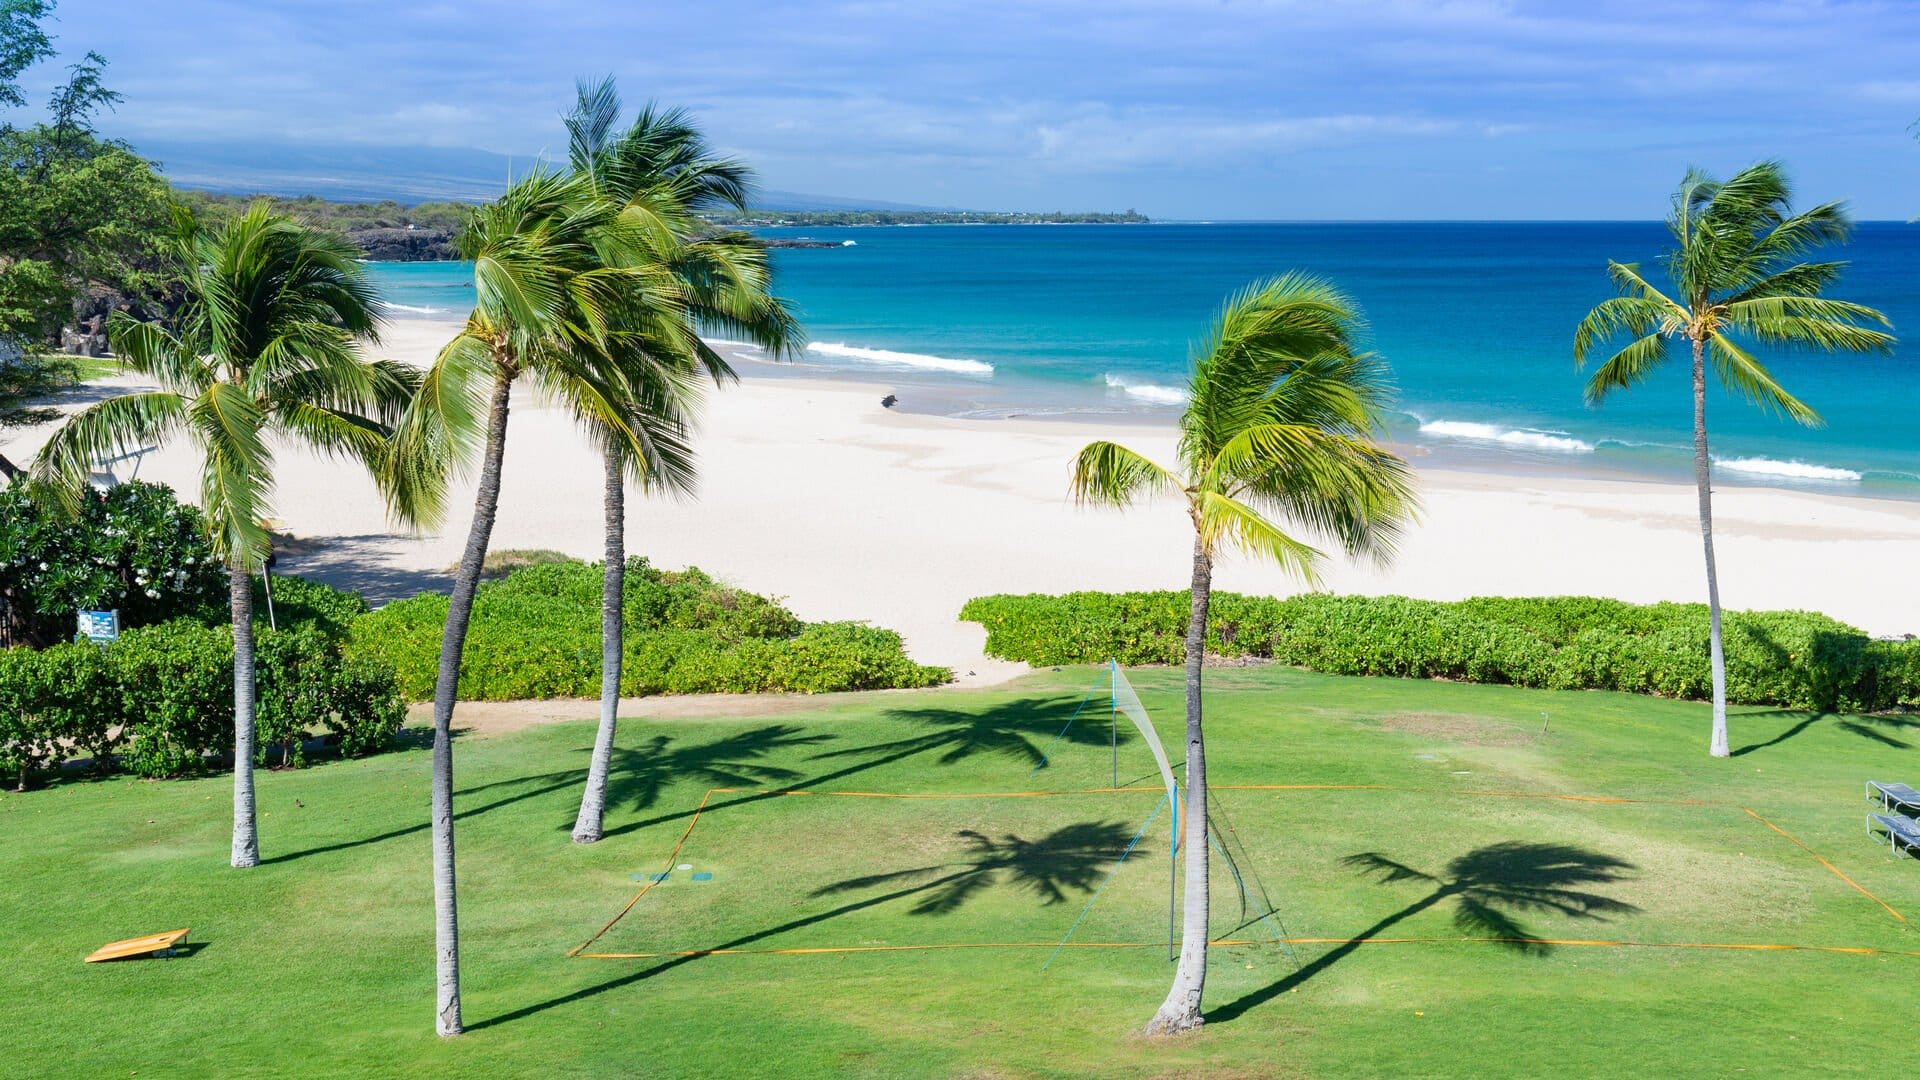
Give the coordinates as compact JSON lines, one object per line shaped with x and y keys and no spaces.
{"x":1276,"y":452}
{"x":1738,"y":279}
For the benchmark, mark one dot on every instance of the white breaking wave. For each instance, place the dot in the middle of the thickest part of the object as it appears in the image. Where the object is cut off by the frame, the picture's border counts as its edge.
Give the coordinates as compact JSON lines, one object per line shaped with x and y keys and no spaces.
{"x":1159,"y":395}
{"x":1797,"y":470}
{"x":903,"y":359}
{"x":1532,"y":440}
{"x":391,"y":306}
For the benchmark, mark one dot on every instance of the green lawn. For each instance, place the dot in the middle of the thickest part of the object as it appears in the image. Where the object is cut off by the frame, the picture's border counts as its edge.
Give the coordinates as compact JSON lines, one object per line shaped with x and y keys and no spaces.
{"x":318,"y":963}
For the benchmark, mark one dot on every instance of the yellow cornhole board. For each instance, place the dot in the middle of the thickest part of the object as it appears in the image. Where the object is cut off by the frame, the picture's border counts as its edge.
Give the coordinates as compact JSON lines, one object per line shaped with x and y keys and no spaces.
{"x":151,"y":945}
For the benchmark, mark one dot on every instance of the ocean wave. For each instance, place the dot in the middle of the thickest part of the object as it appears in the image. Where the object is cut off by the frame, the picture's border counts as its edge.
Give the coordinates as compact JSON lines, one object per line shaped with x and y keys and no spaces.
{"x":391,"y":306}
{"x":903,"y":359}
{"x":1795,"y":470}
{"x":1522,"y":437}
{"x":1159,"y":395}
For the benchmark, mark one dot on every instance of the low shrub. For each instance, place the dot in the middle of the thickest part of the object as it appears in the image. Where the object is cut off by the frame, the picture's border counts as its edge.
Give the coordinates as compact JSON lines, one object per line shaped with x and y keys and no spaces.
{"x":159,"y":702}
{"x":536,"y":634}
{"x":1793,"y":659}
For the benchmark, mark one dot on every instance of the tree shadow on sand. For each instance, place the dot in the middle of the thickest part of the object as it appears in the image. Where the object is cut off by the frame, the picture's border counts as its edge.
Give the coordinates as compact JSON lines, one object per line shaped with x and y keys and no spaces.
{"x":1019,"y":730}
{"x":1488,"y":888}
{"x":1072,"y":858}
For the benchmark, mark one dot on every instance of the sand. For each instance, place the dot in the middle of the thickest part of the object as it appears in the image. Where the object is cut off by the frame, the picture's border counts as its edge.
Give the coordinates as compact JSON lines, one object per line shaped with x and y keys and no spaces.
{"x":811,"y":491}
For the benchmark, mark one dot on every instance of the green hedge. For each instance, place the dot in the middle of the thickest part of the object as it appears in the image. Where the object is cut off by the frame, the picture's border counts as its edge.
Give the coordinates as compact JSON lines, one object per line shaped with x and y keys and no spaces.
{"x":536,"y":634}
{"x":159,"y":702}
{"x":1794,"y":659}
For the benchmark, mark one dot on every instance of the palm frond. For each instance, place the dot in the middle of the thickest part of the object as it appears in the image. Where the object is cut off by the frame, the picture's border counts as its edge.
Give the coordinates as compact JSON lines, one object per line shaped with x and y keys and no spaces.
{"x":236,"y":481}
{"x":1222,"y":519}
{"x":1106,"y":473}
{"x":1628,"y":367}
{"x":1750,"y":379}
{"x":104,"y":430}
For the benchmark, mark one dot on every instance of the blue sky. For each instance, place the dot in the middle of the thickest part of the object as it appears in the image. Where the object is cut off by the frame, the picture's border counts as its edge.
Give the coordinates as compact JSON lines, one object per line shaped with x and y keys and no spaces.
{"x":1280,"y":109}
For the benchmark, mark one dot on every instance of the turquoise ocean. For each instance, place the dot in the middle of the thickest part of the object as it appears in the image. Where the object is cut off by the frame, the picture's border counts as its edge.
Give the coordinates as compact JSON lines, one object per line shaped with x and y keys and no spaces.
{"x":1475,"y":319}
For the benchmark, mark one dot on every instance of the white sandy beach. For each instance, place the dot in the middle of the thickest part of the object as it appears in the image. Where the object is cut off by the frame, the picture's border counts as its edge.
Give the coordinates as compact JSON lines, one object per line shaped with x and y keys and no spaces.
{"x":812,"y":491}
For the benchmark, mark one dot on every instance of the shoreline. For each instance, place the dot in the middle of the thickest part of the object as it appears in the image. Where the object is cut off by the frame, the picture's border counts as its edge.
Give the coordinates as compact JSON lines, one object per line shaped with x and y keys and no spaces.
{"x":813,"y":492}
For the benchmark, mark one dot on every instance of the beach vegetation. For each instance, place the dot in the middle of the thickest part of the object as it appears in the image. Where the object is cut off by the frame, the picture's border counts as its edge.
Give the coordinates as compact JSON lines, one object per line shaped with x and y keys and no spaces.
{"x":661,"y":174}
{"x":159,"y":701}
{"x":1277,"y":439}
{"x":1789,"y":659}
{"x":534,"y":635}
{"x":1739,"y":280}
{"x":264,"y":347}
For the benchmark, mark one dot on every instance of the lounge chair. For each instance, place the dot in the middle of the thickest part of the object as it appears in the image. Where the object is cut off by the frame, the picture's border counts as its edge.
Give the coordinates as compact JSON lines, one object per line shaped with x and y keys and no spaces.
{"x":1893,"y":796}
{"x":1902,"y":832}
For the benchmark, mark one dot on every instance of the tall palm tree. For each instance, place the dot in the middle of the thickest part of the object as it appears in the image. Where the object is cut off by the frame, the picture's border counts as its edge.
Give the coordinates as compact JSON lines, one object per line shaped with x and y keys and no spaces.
{"x":1736,"y":278}
{"x":1280,"y":424}
{"x":550,"y":310}
{"x":660,"y":173}
{"x":265,"y":348}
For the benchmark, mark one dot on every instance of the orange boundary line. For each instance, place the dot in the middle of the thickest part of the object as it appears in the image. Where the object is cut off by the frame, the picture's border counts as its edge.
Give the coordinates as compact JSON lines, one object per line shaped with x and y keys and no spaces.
{"x":1459,"y":791}
{"x":671,"y":859}
{"x":816,"y":950}
{"x":1852,"y":950}
{"x":1823,"y":862}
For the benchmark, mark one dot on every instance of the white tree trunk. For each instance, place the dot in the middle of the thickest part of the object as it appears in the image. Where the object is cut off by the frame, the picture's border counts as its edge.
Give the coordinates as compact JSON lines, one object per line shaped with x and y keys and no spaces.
{"x":586,"y":827}
{"x":1181,"y":1011}
{"x":246,"y":837}
{"x":1703,"y":483}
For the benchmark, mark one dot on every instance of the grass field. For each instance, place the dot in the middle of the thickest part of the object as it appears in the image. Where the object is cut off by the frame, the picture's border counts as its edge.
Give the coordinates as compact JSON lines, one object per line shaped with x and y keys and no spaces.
{"x":1378,"y":809}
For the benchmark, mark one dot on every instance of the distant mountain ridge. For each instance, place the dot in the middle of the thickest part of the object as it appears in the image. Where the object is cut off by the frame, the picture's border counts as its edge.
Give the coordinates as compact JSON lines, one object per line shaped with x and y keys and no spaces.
{"x":404,"y":174}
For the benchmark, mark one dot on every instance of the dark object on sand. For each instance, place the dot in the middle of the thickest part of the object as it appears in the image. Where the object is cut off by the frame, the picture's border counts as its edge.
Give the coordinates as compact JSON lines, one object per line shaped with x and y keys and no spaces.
{"x":889,"y":401}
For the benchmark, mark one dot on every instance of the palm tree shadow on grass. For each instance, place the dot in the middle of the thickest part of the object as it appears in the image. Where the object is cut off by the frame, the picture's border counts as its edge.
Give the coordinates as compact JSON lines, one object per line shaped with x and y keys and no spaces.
{"x":1489,"y":887}
{"x":1072,"y":858}
{"x":1864,"y":726}
{"x":638,"y":776}
{"x":1019,"y":730}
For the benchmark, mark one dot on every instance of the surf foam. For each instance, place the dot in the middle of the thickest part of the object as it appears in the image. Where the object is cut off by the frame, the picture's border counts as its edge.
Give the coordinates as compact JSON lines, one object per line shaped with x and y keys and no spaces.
{"x":1159,"y":395}
{"x":902,"y":359}
{"x":1522,"y":437}
{"x":1795,"y":470}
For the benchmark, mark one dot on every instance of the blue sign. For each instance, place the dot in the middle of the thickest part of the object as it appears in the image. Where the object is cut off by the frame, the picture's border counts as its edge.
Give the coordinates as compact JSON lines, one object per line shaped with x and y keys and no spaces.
{"x":100,"y":625}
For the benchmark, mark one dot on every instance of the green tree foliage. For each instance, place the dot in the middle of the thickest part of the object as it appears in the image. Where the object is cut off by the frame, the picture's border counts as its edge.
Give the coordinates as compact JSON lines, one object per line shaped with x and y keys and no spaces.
{"x":76,"y":209}
{"x":132,"y":548}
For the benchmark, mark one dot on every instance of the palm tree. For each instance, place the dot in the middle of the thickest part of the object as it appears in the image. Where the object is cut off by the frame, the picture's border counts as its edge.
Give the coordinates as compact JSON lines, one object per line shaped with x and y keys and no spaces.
{"x":1281,"y":419}
{"x":1736,"y":276}
{"x":265,"y":347}
{"x":660,"y":173}
{"x":550,"y":310}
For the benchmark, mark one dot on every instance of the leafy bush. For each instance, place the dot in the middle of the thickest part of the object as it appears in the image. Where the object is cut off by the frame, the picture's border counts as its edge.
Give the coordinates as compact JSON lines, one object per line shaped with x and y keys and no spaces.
{"x":536,"y":634}
{"x":1795,"y":659}
{"x":298,"y":601}
{"x":133,"y":547}
{"x":159,"y":702}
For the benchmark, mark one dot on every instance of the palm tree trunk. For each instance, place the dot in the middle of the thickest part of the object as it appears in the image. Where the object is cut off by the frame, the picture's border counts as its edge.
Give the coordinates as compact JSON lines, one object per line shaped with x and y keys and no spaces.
{"x":1703,"y":483}
{"x":446,"y":690}
{"x":246,"y":839}
{"x":586,"y":828}
{"x":1181,"y":1011}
